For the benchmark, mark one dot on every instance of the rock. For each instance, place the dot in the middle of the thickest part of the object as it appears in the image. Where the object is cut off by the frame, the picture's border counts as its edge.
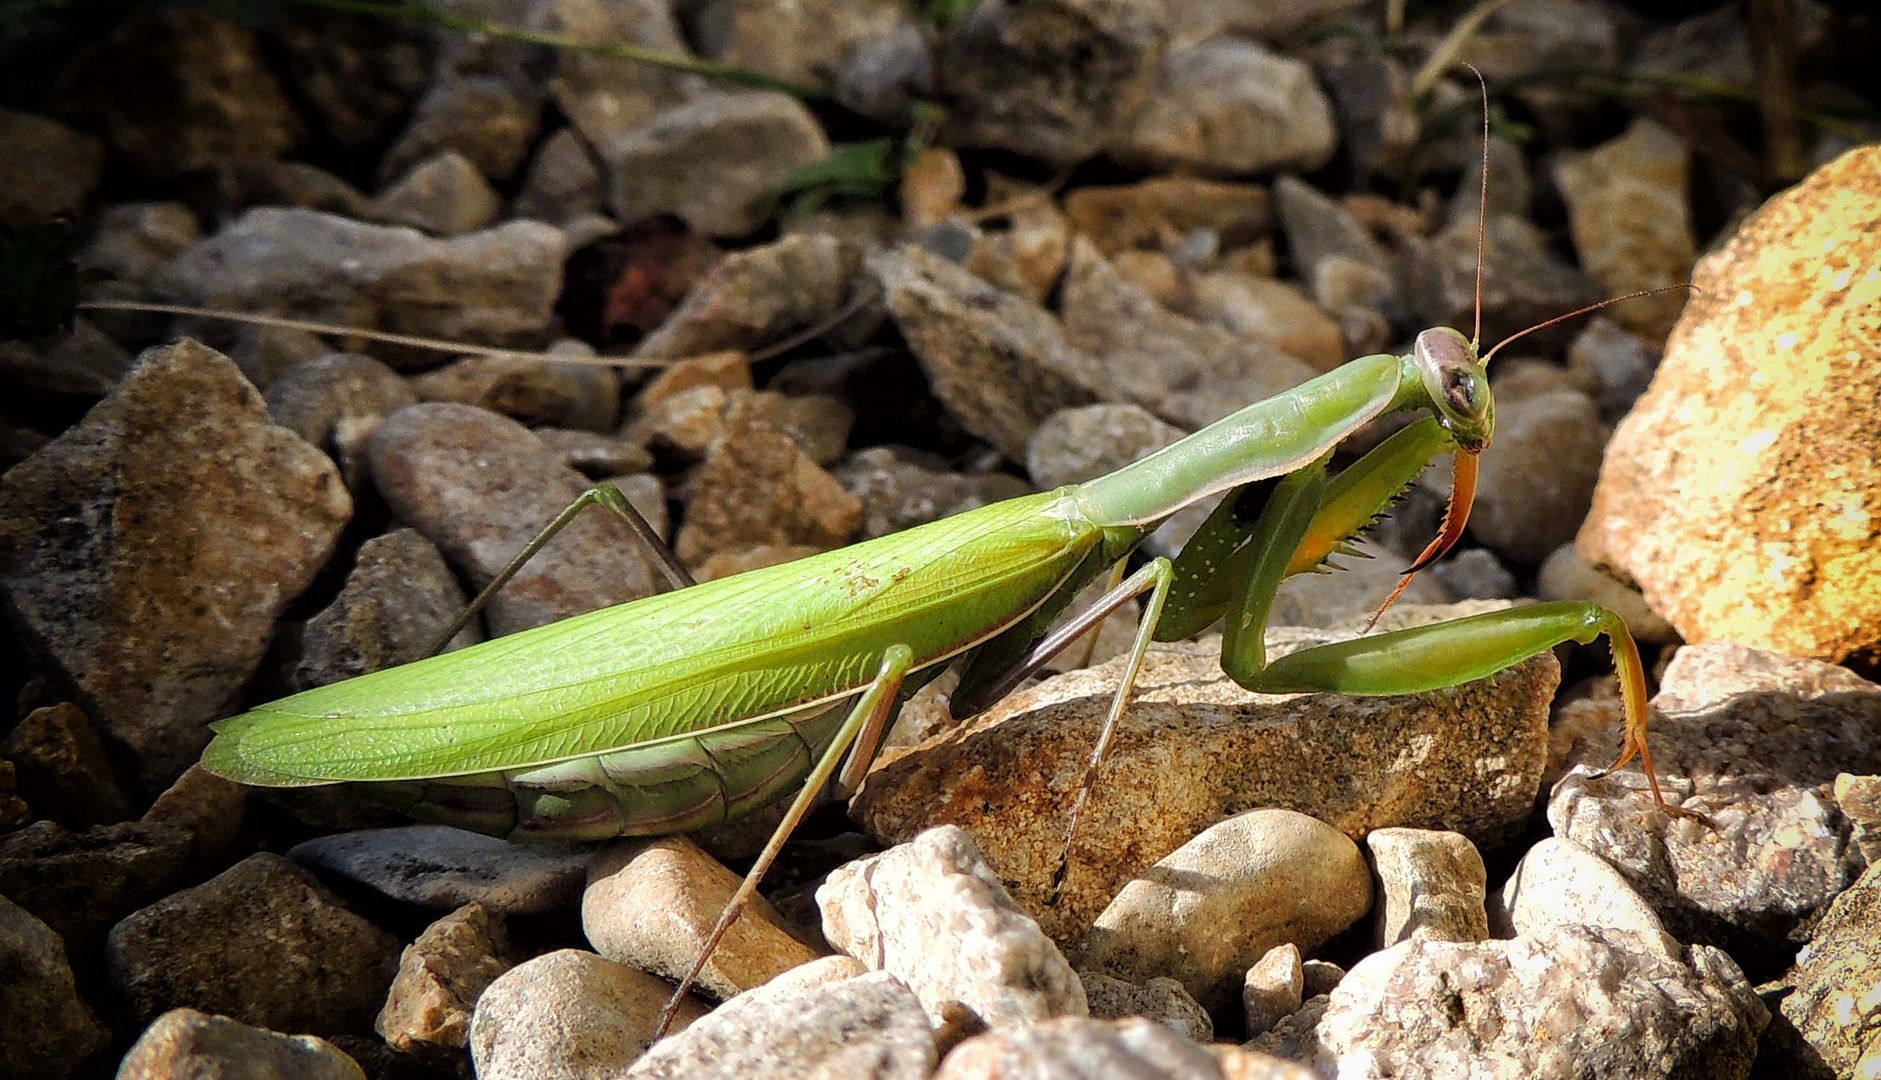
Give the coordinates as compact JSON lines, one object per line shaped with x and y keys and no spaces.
{"x":1615,"y":364}
{"x":881,"y":78}
{"x":62,"y":769}
{"x":480,"y":486}
{"x":484,"y":101}
{"x":1160,"y":999}
{"x":759,"y":296}
{"x":49,"y":169}
{"x":1560,"y":883}
{"x":1058,"y":81}
{"x":1632,"y":220}
{"x":999,"y":363}
{"x":803,"y":43}
{"x":1275,"y":875}
{"x":1164,"y":213}
{"x":178,"y":90}
{"x":1371,"y":100}
{"x":489,"y":287}
{"x":1079,"y":1047}
{"x":1834,"y":1004}
{"x":1194,"y":748}
{"x":1740,"y":492}
{"x":1476,"y":574}
{"x":438,"y":867}
{"x":568,"y":1013}
{"x":596,"y":455}
{"x":1272,"y":989}
{"x":931,"y":913}
{"x":356,"y":77}
{"x":818,"y":423}
{"x":1524,"y":282}
{"x":263,"y":943}
{"x":1075,"y":445}
{"x":716,"y":162}
{"x":398,"y":599}
{"x":1546,"y":1004}
{"x":1273,"y":311}
{"x":1754,"y":740}
{"x":1318,"y":228}
{"x":444,"y":195}
{"x":1232,"y":107}
{"x":186,"y":1043}
{"x":1860,"y":800}
{"x":571,"y":394}
{"x":208,"y":808}
{"x":82,"y":882}
{"x":291,"y":183}
{"x":869,"y":1027}
{"x":264,"y":353}
{"x":51,"y":1032}
{"x":1431,"y":886}
{"x":155,"y":634}
{"x":1188,"y":373}
{"x":1538,"y":478}
{"x":440,"y":977}
{"x":933,"y":185}
{"x":1200,"y":19}
{"x":1565,"y":575}
{"x":757,"y":486}
{"x":563,"y":182}
{"x":899,"y":492}
{"x":651,"y":904}
{"x":604,"y":96}
{"x":334,"y":402}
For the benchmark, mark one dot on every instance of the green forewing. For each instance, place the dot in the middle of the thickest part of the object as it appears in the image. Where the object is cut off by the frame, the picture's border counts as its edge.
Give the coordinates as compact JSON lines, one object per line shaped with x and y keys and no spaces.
{"x":683,"y":661}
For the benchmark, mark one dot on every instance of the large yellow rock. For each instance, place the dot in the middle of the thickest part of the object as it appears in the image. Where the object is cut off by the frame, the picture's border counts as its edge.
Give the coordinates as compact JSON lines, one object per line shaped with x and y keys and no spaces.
{"x":1743,"y":492}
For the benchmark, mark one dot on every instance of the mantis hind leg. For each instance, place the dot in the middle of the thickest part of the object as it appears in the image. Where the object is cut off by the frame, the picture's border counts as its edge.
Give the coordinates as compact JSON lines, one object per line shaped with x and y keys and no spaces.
{"x":606,"y":496}
{"x":863,"y":728}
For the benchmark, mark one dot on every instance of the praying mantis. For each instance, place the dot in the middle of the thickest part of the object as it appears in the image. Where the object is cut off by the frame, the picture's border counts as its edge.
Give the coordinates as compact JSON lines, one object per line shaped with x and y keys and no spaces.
{"x":704,"y":703}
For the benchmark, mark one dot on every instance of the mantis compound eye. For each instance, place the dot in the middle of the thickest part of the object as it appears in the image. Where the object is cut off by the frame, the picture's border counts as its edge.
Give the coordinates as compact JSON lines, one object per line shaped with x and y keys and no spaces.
{"x":1460,"y":390}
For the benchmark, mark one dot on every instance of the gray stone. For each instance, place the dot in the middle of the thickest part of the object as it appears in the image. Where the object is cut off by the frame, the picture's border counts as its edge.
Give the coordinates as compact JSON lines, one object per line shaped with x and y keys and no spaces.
{"x":1753,"y":740}
{"x":1075,"y":1047}
{"x":1160,"y":999}
{"x":1232,"y":107}
{"x":1347,"y":597}
{"x":563,"y":182}
{"x":1631,"y":219}
{"x":443,"y":195}
{"x":931,"y":913}
{"x":806,"y":43}
{"x":1560,"y":883}
{"x":869,"y":1028}
{"x":532,"y":391}
{"x":263,"y":943}
{"x":184,"y":1043}
{"x":155,"y":595}
{"x":1275,"y":311}
{"x":605,"y":96}
{"x":1431,"y":886}
{"x":1566,"y":575}
{"x":759,"y":296}
{"x":1547,"y":1004}
{"x":1476,"y":574}
{"x":1615,"y":365}
{"x":1524,"y":282}
{"x":899,"y":491}
{"x":716,"y":162}
{"x":568,"y":1014}
{"x":1273,"y":989}
{"x":440,"y":978}
{"x":483,"y":100}
{"x":1318,"y":228}
{"x":1194,"y":748}
{"x":334,"y":402}
{"x":1079,"y":444}
{"x":51,"y":1032}
{"x":479,"y":486}
{"x":436,"y":866}
{"x":398,"y":599}
{"x":1538,"y":480}
{"x":1836,"y":1005}
{"x":82,"y":360}
{"x":1276,"y":876}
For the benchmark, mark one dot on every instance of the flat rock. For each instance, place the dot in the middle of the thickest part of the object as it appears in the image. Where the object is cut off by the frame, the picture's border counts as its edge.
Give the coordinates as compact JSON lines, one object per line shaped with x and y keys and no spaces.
{"x":1566,"y":575}
{"x":716,"y":162}
{"x":1836,"y":977}
{"x":651,"y":904}
{"x":1232,"y":107}
{"x":155,"y":596}
{"x":1276,"y":876}
{"x":1057,"y":81}
{"x":184,"y":1043}
{"x":1186,"y":372}
{"x":489,"y":287}
{"x":1755,"y":741}
{"x":262,"y":942}
{"x":436,"y":866}
{"x":480,"y":486}
{"x":931,"y":913}
{"x":400,"y":596}
{"x":868,"y":1028}
{"x":1560,"y":883}
{"x":1632,"y":220}
{"x":568,"y":1013}
{"x":82,"y":882}
{"x":759,"y":296}
{"x":1740,"y":493}
{"x":1163,"y":212}
{"x":998,"y":362}
{"x":51,"y":1031}
{"x":1194,"y":748}
{"x":1161,"y":999}
{"x":1431,"y":886}
{"x":1543,"y":1005}
{"x":563,"y":182}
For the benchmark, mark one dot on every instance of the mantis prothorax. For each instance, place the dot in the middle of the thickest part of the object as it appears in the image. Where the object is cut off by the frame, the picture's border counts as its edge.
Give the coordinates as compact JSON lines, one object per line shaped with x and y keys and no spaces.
{"x":709,"y":701}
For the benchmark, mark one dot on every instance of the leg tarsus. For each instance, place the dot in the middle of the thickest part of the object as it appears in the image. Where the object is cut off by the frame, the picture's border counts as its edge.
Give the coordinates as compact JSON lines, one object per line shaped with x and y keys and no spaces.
{"x":871,"y":707}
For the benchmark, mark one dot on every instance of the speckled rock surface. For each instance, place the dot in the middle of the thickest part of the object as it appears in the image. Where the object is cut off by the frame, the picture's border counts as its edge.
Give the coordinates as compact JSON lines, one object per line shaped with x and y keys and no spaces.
{"x":1740,"y":493}
{"x":51,"y":1031}
{"x":436,"y":866}
{"x":440,"y":977}
{"x":1560,"y":883}
{"x":1161,"y":999}
{"x":1836,"y":1005}
{"x":1432,"y":886}
{"x":931,"y":913}
{"x":187,"y":1043}
{"x":568,"y":1013}
{"x":1074,"y":1047}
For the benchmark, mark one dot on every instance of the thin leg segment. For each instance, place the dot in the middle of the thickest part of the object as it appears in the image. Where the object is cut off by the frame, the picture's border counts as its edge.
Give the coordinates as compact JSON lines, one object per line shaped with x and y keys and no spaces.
{"x":606,"y":496}
{"x":871,"y":710}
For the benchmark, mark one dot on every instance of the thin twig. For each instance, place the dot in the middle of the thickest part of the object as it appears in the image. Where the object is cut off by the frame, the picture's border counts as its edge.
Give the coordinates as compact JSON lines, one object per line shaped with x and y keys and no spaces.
{"x":1445,"y":54}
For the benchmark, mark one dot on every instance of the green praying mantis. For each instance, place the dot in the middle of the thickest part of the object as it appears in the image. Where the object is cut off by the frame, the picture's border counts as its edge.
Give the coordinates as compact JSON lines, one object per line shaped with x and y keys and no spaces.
{"x":706,"y":702}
